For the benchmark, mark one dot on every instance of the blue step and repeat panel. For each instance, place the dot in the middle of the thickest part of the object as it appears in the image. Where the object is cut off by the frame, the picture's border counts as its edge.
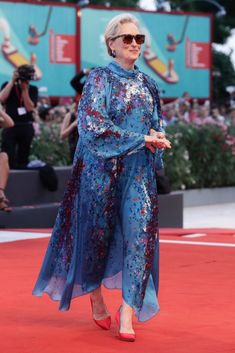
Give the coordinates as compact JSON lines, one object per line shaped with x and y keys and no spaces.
{"x":42,"y":35}
{"x":58,"y":40}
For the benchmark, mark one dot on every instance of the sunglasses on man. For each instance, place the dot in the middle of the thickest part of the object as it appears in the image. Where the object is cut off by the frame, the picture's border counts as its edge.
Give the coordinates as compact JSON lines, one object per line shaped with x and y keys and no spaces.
{"x":128,"y":38}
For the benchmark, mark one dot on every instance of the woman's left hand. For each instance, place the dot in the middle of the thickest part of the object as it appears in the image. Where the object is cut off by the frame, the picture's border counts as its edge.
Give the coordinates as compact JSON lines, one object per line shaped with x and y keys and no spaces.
{"x":24,"y":85}
{"x":160,"y":135}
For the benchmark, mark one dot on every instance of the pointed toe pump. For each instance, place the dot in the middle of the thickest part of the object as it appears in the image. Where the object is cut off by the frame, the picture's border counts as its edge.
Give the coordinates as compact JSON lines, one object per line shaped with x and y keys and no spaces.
{"x":105,"y":324}
{"x":128,"y":337}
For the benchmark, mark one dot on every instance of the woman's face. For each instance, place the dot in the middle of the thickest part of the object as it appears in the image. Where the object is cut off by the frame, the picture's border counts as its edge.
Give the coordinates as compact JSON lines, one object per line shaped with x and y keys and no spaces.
{"x":126,"y":52}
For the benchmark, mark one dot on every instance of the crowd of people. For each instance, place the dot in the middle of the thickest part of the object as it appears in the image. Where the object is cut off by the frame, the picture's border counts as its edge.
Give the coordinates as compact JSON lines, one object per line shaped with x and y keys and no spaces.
{"x":190,"y":111}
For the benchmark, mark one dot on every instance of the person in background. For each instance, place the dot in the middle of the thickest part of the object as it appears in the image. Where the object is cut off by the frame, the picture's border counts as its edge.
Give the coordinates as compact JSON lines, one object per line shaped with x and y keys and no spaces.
{"x":231,"y":117}
{"x":203,"y":116}
{"x":19,"y":98}
{"x":5,"y":122}
{"x":70,"y":125}
{"x":185,"y":98}
{"x":183,"y":111}
{"x":170,"y":117}
{"x":193,"y":112}
{"x":215,"y":114}
{"x":69,"y":129}
{"x":106,"y":231}
{"x":78,"y":82}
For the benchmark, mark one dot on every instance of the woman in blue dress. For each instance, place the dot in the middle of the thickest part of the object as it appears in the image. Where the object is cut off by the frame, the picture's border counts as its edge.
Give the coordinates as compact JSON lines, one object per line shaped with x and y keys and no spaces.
{"x":106,"y":230}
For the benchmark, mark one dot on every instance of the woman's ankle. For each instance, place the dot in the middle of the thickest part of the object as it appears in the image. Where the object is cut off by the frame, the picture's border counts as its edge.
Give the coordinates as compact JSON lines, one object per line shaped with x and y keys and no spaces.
{"x":126,"y":317}
{"x":2,"y":192}
{"x":96,"y":294}
{"x":99,"y":308}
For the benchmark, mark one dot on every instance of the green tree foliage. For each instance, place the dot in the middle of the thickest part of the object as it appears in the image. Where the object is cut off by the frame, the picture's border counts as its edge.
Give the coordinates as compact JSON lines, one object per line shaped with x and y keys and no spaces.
{"x":224,"y":75}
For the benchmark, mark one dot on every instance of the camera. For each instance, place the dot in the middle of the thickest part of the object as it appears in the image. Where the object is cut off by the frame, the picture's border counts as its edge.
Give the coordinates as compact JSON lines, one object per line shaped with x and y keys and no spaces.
{"x":26,"y":72}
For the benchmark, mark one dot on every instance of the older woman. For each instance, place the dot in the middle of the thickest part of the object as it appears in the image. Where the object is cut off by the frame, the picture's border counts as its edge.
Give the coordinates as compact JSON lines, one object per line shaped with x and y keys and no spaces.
{"x":6,"y":122}
{"x":106,"y":231}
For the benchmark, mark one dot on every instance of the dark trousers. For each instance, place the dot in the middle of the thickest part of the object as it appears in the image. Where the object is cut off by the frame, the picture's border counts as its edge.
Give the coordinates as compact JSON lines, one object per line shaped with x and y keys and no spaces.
{"x":16,"y":142}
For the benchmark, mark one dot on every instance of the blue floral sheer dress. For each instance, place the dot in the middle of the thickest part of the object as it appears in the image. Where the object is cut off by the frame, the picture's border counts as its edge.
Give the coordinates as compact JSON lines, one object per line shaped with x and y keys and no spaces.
{"x":106,"y":230}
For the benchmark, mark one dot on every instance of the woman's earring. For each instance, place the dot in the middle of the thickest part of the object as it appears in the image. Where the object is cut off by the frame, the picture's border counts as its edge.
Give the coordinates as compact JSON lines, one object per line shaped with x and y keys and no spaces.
{"x":113,"y":54}
{"x":139,"y":54}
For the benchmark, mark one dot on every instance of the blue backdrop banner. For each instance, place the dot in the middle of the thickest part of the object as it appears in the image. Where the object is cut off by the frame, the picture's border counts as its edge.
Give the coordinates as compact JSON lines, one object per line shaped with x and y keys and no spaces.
{"x":42,"y":35}
{"x":176,"y":53}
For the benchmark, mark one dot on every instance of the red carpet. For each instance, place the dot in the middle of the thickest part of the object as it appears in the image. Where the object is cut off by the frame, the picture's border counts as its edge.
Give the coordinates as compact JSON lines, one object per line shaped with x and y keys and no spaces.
{"x":196,"y":297}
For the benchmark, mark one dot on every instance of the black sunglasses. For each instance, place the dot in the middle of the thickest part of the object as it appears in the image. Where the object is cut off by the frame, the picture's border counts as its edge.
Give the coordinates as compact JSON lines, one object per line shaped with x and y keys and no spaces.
{"x":128,"y":38}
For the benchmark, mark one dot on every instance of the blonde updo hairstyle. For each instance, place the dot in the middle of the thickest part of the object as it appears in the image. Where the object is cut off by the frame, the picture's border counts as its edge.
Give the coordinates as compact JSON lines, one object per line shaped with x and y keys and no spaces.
{"x":113,"y":28}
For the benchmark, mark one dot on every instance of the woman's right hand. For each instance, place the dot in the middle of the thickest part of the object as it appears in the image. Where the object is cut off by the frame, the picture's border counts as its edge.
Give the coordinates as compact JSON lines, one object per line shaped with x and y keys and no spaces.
{"x":153,"y":142}
{"x":15,"y":76}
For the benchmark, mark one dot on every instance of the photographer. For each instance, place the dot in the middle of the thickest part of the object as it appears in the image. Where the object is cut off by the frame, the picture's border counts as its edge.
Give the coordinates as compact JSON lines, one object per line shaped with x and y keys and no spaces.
{"x":78,"y":82}
{"x":6,"y":122}
{"x":19,"y":99}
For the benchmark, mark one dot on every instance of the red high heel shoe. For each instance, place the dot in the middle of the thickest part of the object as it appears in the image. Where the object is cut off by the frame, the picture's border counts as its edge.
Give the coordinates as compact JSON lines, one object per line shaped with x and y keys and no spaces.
{"x":104,"y":323}
{"x":128,"y":337}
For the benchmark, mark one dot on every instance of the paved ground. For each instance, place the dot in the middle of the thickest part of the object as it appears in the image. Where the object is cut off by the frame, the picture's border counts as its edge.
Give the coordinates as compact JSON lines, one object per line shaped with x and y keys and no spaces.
{"x":210,"y":216}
